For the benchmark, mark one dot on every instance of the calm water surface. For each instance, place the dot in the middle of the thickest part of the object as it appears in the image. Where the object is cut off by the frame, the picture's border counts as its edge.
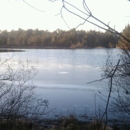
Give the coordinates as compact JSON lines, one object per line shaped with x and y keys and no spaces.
{"x":63,"y":75}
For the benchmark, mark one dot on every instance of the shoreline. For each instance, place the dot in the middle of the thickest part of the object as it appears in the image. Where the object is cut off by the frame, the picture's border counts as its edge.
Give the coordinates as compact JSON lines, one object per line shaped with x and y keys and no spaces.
{"x":4,"y":49}
{"x":47,"y":47}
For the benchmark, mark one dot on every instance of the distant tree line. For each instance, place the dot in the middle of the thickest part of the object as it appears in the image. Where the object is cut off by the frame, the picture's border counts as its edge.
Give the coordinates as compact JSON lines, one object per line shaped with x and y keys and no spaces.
{"x":57,"y":38}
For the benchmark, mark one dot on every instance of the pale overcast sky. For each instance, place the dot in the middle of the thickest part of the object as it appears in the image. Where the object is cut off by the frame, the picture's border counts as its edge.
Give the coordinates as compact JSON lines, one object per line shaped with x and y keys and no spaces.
{"x":16,"y":14}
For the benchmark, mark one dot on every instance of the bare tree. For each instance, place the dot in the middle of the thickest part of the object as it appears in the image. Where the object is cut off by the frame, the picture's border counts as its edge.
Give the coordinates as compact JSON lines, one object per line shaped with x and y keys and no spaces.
{"x":18,"y":101}
{"x":118,"y":73}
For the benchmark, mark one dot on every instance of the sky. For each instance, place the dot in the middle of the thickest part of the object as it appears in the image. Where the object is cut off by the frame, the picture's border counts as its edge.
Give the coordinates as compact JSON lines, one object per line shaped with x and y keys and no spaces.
{"x":15,"y":14}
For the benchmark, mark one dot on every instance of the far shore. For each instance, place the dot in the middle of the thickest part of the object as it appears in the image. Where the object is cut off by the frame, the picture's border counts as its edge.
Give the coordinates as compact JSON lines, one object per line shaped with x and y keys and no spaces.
{"x":11,"y":48}
{"x":2,"y":50}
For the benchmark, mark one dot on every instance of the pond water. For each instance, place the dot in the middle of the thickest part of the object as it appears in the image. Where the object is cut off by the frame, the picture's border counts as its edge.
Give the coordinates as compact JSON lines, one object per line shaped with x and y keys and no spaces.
{"x":63,"y":75}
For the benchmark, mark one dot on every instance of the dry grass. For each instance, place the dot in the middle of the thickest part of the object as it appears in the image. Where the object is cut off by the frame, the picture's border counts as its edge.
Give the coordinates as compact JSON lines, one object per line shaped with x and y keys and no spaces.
{"x":65,"y":123}
{"x":71,"y":123}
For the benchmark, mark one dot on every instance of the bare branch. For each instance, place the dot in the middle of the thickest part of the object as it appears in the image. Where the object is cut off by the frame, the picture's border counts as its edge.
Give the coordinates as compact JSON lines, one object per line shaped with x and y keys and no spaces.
{"x":86,"y":7}
{"x":33,"y":6}
{"x":82,"y":23}
{"x":113,"y":71}
{"x":75,"y":8}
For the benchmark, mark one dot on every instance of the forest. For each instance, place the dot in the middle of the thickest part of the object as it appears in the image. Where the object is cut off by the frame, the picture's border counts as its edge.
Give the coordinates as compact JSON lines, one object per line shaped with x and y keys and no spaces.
{"x":57,"y":39}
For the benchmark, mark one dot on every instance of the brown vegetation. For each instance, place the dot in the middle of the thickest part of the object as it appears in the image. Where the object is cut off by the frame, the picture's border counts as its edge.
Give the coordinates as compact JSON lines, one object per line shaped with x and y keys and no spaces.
{"x":57,"y":39}
{"x":64,"y":123}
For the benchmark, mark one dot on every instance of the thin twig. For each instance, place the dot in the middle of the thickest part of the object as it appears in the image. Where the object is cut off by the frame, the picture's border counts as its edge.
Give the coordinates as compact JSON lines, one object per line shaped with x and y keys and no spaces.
{"x":109,"y":95}
{"x":32,"y":6}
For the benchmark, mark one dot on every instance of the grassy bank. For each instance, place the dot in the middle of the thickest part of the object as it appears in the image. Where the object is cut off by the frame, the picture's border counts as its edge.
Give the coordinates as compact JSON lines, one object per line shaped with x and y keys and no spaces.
{"x":63,"y":123}
{"x":60,"y":124}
